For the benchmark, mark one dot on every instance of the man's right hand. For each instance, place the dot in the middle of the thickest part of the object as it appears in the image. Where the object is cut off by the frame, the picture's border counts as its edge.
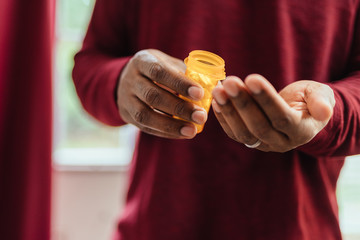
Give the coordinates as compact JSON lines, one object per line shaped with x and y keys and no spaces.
{"x":147,"y":96}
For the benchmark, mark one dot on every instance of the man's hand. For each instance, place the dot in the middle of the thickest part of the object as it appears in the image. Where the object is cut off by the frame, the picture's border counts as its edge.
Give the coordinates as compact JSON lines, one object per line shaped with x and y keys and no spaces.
{"x":253,"y":110}
{"x":147,"y":96}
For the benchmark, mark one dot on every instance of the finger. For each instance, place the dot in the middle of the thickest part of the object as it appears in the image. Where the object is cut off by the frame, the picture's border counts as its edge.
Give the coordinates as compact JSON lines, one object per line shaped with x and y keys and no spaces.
{"x":231,"y":119}
{"x":252,"y":115}
{"x":320,"y":101}
{"x":281,"y":115}
{"x":217,"y":110}
{"x":160,"y":99}
{"x":146,"y":118}
{"x":160,"y":134}
{"x":149,"y":130}
{"x":158,"y":71}
{"x":222,"y":120}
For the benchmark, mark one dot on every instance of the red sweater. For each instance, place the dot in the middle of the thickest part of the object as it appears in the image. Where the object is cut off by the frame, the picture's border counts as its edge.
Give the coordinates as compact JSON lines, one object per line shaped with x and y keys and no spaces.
{"x":212,"y":187}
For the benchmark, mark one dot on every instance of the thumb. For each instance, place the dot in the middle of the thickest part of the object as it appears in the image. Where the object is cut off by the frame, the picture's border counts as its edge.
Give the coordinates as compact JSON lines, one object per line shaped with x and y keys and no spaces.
{"x":320,"y":101}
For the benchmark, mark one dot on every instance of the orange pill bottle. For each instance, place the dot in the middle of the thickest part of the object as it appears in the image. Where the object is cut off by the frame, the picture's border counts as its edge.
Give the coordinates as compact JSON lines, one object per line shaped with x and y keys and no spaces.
{"x":207,"y":69}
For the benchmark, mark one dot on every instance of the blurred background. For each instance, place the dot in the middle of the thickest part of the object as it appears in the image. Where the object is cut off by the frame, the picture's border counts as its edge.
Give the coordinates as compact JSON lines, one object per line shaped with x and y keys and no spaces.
{"x":91,"y":159}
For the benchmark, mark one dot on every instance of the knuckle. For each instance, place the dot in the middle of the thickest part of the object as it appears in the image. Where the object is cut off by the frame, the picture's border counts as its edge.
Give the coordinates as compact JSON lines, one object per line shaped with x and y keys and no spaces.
{"x":152,"y":97}
{"x":227,"y":110}
{"x":156,"y":71}
{"x":243,"y":137}
{"x":265,"y":99}
{"x":180,"y":109}
{"x":136,"y":59}
{"x":281,"y":123}
{"x":170,"y":129}
{"x":140,"y":55}
{"x":180,"y":86}
{"x":243,"y":103}
{"x":262,"y":131}
{"x":141,"y":116}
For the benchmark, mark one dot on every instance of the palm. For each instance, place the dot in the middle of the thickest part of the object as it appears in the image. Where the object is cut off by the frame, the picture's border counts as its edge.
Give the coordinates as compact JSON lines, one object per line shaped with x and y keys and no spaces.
{"x":302,"y":97}
{"x":294,"y":96}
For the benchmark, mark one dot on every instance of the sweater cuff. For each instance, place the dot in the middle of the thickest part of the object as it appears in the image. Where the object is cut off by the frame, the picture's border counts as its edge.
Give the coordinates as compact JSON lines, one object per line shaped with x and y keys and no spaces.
{"x":97,"y":89}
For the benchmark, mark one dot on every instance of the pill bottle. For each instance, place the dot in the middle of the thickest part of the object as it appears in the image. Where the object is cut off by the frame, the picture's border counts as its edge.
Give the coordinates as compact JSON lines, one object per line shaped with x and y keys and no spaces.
{"x":207,"y":69}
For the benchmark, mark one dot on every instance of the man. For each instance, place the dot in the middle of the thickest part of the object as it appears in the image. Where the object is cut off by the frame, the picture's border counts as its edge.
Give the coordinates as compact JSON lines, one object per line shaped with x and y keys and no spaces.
{"x":208,"y":186}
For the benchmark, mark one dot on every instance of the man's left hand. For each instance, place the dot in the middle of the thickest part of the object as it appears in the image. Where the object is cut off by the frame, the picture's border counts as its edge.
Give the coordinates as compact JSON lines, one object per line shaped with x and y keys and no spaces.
{"x":254,"y":113}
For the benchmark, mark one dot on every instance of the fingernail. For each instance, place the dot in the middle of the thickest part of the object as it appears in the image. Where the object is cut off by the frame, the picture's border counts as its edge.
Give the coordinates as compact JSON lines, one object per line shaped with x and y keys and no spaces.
{"x":231,"y":89}
{"x":220,"y":98}
{"x":188,"y":131}
{"x":199,"y":116}
{"x":253,"y":87}
{"x":196,"y":93}
{"x":215,"y":106}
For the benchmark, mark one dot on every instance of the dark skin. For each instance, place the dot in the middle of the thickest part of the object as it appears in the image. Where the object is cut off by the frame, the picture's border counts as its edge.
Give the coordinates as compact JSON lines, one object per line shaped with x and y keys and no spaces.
{"x":148,"y":96}
{"x":253,"y":110}
{"x":248,"y":111}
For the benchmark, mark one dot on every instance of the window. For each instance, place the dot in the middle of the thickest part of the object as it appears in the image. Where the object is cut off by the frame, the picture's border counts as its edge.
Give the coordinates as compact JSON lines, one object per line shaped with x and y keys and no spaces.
{"x":80,"y":141}
{"x":348,"y":194}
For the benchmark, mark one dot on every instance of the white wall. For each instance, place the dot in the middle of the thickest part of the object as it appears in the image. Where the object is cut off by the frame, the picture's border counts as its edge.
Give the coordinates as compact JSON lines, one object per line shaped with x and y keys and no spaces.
{"x":86,"y":204}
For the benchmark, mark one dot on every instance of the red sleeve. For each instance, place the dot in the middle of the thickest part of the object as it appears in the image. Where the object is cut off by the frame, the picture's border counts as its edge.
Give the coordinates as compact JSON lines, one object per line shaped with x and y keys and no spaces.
{"x":98,"y":64}
{"x":341,"y":136}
